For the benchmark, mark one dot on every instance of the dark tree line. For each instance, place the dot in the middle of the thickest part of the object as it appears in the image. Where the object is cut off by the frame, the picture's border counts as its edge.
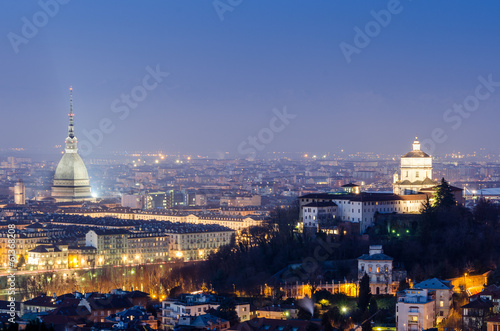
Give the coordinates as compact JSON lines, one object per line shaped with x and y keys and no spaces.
{"x":451,"y":239}
{"x":262,"y":255}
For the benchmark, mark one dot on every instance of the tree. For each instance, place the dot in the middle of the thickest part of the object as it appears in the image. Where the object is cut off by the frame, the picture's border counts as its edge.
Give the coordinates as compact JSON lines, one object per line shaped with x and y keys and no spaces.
{"x":303,"y":314}
{"x":10,"y":326}
{"x":326,"y":322}
{"x":364,"y":293}
{"x":372,"y":307}
{"x":443,"y":196}
{"x":227,"y":311}
{"x":312,"y":327}
{"x":403,"y":285}
{"x":426,"y":206}
{"x":334,"y":319}
{"x":367,"y":322}
{"x":494,"y":277}
{"x":485,"y":212}
{"x":21,"y":261}
{"x":37,"y":325}
{"x":175,"y":292}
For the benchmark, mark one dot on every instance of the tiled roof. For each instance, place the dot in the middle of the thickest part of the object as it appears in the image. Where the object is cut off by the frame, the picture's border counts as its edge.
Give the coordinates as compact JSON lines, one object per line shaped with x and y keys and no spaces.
{"x":109,"y":302}
{"x":375,"y":257}
{"x":478,"y":304}
{"x":273,"y":325}
{"x":434,"y":284}
{"x":41,"y":301}
{"x":321,"y":204}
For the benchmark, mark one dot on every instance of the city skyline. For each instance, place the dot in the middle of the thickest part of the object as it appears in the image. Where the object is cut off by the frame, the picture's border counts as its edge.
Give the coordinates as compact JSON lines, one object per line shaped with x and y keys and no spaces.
{"x":249,"y":165}
{"x":205,"y":79}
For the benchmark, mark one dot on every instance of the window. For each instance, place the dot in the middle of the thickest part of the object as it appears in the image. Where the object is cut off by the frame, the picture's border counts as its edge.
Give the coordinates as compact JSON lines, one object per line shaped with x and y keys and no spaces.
{"x":441,"y":303}
{"x":407,"y":174}
{"x":369,"y":269}
{"x":414,"y":318}
{"x":416,"y":174}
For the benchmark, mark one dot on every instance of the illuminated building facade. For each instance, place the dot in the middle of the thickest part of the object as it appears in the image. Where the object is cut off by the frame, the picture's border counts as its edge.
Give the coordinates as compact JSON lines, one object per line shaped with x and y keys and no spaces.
{"x":236,"y":223}
{"x":175,"y":309}
{"x":119,"y":246}
{"x":415,"y":310}
{"x":147,"y":247}
{"x":191,"y":245}
{"x":442,"y":292}
{"x":361,"y":208}
{"x":378,"y":267}
{"x":319,"y":213}
{"x":81,"y":257}
{"x":111,"y":245}
{"x":415,"y":172}
{"x":19,"y":193}
{"x":25,"y":241}
{"x":71,"y":180}
{"x":48,"y":257}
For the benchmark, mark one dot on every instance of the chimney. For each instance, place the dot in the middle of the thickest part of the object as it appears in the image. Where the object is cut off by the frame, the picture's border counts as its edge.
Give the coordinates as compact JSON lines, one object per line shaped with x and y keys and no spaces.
{"x":376,"y":249}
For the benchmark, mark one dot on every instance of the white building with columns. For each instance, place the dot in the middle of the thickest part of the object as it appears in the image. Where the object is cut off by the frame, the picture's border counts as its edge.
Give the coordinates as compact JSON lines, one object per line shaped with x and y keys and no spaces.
{"x":415,"y":172}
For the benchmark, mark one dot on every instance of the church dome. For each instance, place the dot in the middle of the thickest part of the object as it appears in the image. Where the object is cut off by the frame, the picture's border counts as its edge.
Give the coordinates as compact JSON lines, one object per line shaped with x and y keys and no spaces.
{"x":416,"y":152}
{"x":71,"y":167}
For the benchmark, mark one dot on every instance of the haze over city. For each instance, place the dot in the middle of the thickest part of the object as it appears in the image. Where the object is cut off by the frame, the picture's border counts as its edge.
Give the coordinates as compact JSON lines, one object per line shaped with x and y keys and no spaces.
{"x":229,"y":67}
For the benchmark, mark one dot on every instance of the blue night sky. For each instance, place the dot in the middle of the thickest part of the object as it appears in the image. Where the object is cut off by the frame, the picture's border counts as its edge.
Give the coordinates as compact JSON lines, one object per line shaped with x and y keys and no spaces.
{"x":225,"y":77}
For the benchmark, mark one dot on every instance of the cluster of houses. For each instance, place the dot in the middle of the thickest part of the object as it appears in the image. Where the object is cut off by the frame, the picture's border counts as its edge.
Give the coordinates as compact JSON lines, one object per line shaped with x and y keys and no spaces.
{"x":423,"y":306}
{"x":135,"y":311}
{"x":428,"y":303}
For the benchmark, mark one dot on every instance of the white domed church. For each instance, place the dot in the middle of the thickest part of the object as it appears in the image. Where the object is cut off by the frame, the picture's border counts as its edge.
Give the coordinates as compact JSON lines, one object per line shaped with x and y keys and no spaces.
{"x":416,"y":172}
{"x":71,"y":180}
